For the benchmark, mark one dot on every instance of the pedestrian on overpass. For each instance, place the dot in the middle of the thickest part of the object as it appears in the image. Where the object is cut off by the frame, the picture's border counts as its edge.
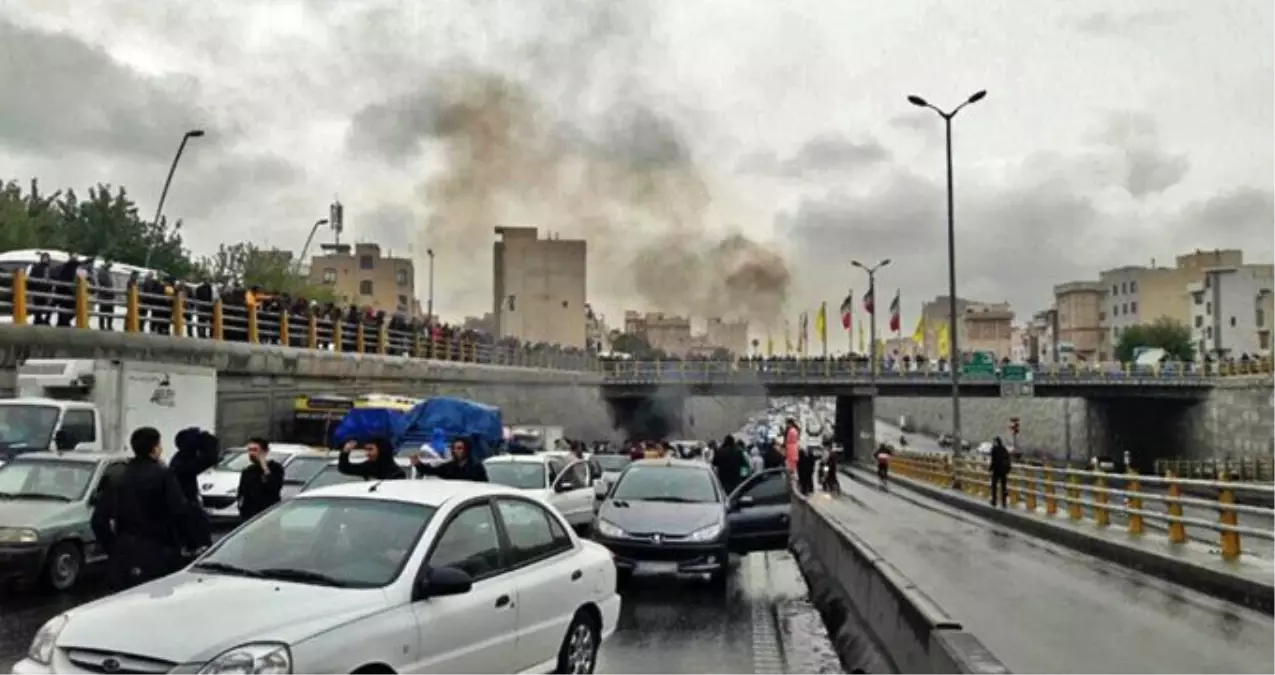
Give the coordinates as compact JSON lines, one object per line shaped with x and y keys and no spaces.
{"x":1000,"y":466}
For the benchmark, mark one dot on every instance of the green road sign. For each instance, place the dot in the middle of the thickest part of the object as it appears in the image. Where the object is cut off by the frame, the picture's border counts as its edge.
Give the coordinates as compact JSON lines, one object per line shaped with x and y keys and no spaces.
{"x":1012,"y":372}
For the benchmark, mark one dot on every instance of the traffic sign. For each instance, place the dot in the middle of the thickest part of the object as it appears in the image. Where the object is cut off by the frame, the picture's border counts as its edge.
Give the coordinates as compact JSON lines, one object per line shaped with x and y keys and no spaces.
{"x":1014,"y":372}
{"x":1017,"y":389}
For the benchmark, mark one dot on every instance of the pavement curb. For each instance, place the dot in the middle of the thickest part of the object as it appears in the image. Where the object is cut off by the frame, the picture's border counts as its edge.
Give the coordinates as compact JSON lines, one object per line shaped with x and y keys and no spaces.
{"x":1216,"y":583}
{"x":875,"y":615}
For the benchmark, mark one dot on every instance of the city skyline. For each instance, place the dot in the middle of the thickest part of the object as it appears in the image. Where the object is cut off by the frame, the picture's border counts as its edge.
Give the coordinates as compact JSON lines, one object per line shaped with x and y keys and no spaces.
{"x":1168,"y":151}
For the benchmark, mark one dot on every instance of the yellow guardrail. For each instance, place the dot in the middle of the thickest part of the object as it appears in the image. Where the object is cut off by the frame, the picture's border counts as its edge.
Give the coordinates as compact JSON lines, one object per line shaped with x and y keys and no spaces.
{"x":820,"y":367}
{"x":1245,"y":470}
{"x":1099,"y":497}
{"x":81,"y":305}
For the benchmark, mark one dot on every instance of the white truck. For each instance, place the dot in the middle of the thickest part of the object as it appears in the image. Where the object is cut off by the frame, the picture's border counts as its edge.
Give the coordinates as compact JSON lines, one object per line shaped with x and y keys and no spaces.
{"x":538,"y":437}
{"x":95,"y":404}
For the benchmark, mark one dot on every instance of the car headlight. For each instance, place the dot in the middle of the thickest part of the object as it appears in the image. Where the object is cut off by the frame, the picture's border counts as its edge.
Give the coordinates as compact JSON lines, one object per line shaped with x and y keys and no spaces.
{"x":709,"y":533}
{"x":16,"y":535}
{"x":606,"y":529}
{"x":45,"y":641}
{"x":255,"y":658}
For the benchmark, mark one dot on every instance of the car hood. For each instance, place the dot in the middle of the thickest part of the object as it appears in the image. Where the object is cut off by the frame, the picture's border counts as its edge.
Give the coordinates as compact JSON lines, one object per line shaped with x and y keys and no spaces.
{"x":37,"y":513}
{"x":638,"y":517}
{"x":140,"y":621}
{"x":218,"y":482}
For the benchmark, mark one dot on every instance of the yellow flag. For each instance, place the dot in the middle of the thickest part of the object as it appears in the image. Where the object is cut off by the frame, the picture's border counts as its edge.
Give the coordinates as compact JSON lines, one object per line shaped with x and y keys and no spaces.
{"x":918,"y":335}
{"x":943,"y":340}
{"x":821,"y":326}
{"x":770,"y":344}
{"x":862,"y":344}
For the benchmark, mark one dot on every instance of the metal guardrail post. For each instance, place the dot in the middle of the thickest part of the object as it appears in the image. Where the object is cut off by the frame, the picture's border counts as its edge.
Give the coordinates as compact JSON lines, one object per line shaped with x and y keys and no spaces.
{"x":285,"y":331}
{"x":179,"y":314}
{"x":383,"y":339}
{"x":1177,"y":530}
{"x":338,"y":335}
{"x":81,"y":302}
{"x":417,"y":343}
{"x":360,"y":336}
{"x":1032,"y":486}
{"x":254,"y":330}
{"x":218,"y":320}
{"x":1229,"y":517}
{"x":133,"y":310}
{"x":1074,"y":511}
{"x":19,"y":298}
{"x":312,"y":331}
{"x":1101,"y":516}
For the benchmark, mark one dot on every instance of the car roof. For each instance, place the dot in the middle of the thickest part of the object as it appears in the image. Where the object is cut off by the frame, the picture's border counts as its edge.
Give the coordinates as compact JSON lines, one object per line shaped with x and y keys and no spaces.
{"x":72,"y":456}
{"x":518,"y":459}
{"x":429,"y":493}
{"x":670,"y":462}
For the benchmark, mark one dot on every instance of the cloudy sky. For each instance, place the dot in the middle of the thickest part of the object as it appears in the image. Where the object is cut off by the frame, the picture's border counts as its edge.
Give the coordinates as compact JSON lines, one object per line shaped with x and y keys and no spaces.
{"x":719,"y":155}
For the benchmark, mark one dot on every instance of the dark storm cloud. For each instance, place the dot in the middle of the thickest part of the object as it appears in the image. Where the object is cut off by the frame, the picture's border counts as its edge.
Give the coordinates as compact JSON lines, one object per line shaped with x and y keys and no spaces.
{"x":394,"y":130}
{"x":61,"y":94}
{"x":1149,"y":168}
{"x":822,"y":154}
{"x":211,"y":182}
{"x":1237,"y":218}
{"x":1107,"y":23}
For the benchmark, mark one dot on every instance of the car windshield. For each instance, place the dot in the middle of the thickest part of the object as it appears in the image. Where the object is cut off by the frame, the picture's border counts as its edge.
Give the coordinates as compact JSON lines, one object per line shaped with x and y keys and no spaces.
{"x":54,"y":480}
{"x":666,"y":484}
{"x":241,"y":460}
{"x":303,"y":469}
{"x":27,"y":426}
{"x":329,"y":475}
{"x":612,"y":462}
{"x":521,"y":475}
{"x":325,"y":541}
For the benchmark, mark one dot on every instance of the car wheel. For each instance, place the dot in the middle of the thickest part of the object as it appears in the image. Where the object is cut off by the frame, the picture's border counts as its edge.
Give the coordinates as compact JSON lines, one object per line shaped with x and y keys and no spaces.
{"x":63,"y":566}
{"x":579,"y":650}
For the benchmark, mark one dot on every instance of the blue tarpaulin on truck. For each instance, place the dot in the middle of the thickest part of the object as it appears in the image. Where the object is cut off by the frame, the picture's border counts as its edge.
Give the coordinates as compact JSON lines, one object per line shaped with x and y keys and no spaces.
{"x":361,"y":424}
{"x":443,"y":420}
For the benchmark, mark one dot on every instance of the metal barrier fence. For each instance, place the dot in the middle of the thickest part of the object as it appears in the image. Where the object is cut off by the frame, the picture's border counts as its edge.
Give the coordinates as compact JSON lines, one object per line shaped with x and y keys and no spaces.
{"x":832,"y":368}
{"x":1101,"y":497}
{"x":81,"y":305}
{"x":1247,"y":470}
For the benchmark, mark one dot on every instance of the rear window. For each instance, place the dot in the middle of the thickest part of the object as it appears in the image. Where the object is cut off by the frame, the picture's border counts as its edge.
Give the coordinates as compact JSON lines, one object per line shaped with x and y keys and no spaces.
{"x":666,"y":484}
{"x":520,"y":475}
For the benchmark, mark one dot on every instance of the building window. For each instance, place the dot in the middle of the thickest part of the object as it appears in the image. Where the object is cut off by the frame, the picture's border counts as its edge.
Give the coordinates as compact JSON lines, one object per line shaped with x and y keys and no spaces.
{"x":1264,"y":340}
{"x":1115,"y":310}
{"x":365,"y":287}
{"x":1261,"y":317}
{"x":1199,"y":298}
{"x":1124,"y":308}
{"x":1133,"y":287}
{"x":1232,"y":322}
{"x":400,"y":277}
{"x":1102,"y":316}
{"x":402,"y":302}
{"x":1115,"y":290}
{"x":329,"y":276}
{"x":1133,"y":307}
{"x":1199,"y":321}
{"x":367,"y":262}
{"x":1124,"y":287}
{"x":1208,"y":332}
{"x":1208,"y":308}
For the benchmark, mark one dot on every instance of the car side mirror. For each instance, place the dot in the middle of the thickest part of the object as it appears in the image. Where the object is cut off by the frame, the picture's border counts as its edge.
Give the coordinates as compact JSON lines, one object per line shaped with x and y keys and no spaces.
{"x":440,"y":582}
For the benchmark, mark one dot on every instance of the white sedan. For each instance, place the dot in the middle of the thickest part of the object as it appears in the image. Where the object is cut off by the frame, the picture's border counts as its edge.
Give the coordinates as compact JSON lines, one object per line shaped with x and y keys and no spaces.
{"x":565,"y":483}
{"x":392,"y":576}
{"x":219,"y":486}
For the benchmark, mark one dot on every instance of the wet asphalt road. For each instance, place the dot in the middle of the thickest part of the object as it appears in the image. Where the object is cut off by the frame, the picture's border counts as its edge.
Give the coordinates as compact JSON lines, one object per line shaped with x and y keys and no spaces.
{"x":761,"y":623}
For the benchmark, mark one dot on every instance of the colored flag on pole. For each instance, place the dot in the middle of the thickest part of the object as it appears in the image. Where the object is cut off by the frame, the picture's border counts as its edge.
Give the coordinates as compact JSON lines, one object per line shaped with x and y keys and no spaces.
{"x":869,"y":302}
{"x":847,"y":310}
{"x":862,"y":344}
{"x":943,"y":340}
{"x":804,"y":339}
{"x":895,"y":323}
{"x":918,"y":335}
{"x":787,"y":338}
{"x":821,"y":326}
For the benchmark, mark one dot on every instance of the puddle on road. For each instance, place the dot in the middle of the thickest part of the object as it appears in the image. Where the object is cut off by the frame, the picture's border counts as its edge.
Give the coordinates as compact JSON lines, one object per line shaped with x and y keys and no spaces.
{"x":807,"y":648}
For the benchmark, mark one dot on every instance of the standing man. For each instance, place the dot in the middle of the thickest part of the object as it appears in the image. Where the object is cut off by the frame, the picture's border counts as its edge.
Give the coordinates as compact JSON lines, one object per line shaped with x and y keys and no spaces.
{"x":141,"y":515}
{"x":792,"y":443}
{"x":461,"y":465}
{"x":105,"y":282}
{"x":1000,"y":467}
{"x":261,"y":482}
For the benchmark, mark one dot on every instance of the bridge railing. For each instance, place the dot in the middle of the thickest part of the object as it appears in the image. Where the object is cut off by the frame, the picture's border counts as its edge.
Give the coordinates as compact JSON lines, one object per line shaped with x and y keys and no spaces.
{"x":1244,"y":470}
{"x":1141,"y":504}
{"x":82,"y":305}
{"x":815,"y":368}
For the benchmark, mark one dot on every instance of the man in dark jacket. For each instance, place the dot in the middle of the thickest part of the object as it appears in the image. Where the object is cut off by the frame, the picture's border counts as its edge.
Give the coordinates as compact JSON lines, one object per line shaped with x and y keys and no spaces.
{"x":261,"y":482}
{"x":140,"y":515}
{"x":37,"y":288}
{"x":379,"y":465}
{"x":197,"y":452}
{"x":1000,"y":467}
{"x":460,"y":466}
{"x":729,"y":463}
{"x":65,"y":290}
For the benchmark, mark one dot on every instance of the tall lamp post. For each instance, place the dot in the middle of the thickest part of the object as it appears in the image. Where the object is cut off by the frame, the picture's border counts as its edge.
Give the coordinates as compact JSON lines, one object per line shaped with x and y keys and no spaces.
{"x":159,"y":209}
{"x":296,"y":269}
{"x":953,"y":361}
{"x":872,"y":316}
{"x":429,"y":306}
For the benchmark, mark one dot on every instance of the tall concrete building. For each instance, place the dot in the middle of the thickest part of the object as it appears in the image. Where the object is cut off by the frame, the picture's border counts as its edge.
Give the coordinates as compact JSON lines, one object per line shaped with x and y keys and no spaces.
{"x":361,"y":276}
{"x":1137,"y":295}
{"x":1081,"y":307}
{"x":539,"y":287}
{"x":983,"y":326}
{"x":729,"y":335}
{"x":1228,"y":311}
{"x":666,"y":332}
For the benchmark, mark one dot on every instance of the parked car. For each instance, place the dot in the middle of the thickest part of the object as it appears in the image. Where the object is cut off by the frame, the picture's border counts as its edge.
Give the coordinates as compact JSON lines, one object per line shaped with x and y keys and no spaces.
{"x":219,"y":486}
{"x":391,"y":576}
{"x":46,"y":500}
{"x":567,"y":485}
{"x":331,"y":475}
{"x":609,"y":468}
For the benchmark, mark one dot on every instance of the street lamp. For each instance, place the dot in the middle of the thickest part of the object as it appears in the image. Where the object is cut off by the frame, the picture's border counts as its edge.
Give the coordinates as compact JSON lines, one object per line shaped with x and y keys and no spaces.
{"x":296,"y":269}
{"x":872,"y":316}
{"x":429,"y":306}
{"x":953,"y":361}
{"x":159,"y":209}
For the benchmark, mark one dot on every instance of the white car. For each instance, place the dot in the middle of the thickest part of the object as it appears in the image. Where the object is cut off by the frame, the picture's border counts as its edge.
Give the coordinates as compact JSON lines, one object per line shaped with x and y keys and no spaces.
{"x":567,"y":485}
{"x":331,"y":474}
{"x":609,"y":467}
{"x":219,"y":486}
{"x":393,"y":576}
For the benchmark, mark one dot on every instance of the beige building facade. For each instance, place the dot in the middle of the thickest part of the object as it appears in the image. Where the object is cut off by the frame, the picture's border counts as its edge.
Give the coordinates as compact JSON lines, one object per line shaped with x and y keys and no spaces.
{"x":984,"y":326}
{"x":1081,"y":307}
{"x":360,"y":275}
{"x":539,"y":287}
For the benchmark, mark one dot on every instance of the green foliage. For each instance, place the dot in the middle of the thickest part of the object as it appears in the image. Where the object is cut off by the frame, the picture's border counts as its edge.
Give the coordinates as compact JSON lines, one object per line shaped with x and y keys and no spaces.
{"x":105,"y":225}
{"x":271,"y":269}
{"x":1172,"y":336}
{"x":635,"y":345}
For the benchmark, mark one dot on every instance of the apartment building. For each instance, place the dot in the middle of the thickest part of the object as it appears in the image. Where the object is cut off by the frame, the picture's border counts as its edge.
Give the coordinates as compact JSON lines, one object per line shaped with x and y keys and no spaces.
{"x":666,"y":332}
{"x":1137,"y":294}
{"x":984,"y":326}
{"x":1081,"y":310}
{"x":539,"y":287}
{"x":1228,"y":309}
{"x":362,"y":276}
{"x":727,"y":334}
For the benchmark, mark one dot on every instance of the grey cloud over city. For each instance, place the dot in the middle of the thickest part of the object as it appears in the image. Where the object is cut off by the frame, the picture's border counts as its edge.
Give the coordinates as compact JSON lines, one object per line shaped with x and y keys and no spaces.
{"x":719,"y":156}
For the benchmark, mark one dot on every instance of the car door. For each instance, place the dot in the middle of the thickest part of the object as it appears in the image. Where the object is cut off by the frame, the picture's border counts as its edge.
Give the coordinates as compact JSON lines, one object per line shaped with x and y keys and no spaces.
{"x":758,"y":513}
{"x":572,"y":495}
{"x":474,"y":632}
{"x":550,"y":586}
{"x":92,"y":550}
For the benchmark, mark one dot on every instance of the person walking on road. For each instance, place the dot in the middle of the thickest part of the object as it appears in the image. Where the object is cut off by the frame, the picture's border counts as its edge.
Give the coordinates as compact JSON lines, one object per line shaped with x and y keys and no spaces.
{"x":261,"y":482}
{"x":1000,"y":467}
{"x":792,"y":443}
{"x":197,"y":452}
{"x":729,"y":464}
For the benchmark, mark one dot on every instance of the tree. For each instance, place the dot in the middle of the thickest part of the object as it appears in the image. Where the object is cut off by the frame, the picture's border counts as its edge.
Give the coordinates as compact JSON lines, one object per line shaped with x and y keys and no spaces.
{"x":1164,"y":333}
{"x":635,"y":345}
{"x":271,"y":269}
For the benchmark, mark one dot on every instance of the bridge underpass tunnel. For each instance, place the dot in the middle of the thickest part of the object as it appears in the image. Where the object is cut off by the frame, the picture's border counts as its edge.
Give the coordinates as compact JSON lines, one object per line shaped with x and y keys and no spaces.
{"x":1147,"y":428}
{"x":855,"y":426}
{"x":654,"y":416}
